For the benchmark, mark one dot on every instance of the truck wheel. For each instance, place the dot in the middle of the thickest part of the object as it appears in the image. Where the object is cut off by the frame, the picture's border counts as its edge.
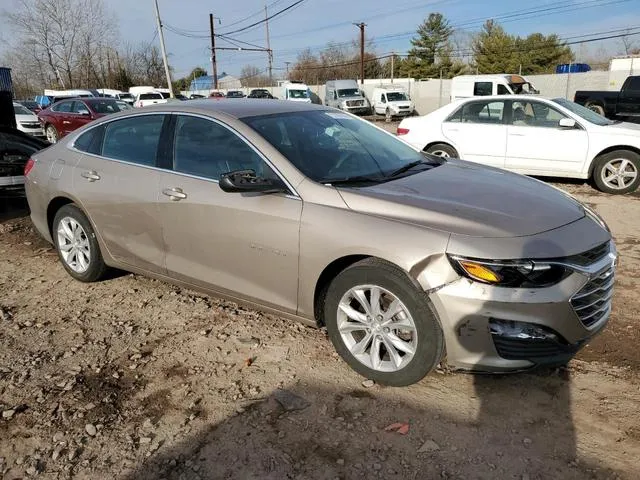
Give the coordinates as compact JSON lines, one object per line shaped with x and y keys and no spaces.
{"x":594,"y":107}
{"x":617,"y":172}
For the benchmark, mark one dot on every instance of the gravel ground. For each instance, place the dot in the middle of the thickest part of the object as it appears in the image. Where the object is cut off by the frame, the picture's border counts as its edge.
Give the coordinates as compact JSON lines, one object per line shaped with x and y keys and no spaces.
{"x":132,"y":378}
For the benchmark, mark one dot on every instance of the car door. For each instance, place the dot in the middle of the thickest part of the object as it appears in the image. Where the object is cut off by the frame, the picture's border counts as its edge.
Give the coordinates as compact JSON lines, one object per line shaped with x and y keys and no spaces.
{"x":79,"y":116}
{"x":245,"y":245}
{"x":629,"y":98}
{"x":537,"y":145}
{"x":478,"y":131}
{"x":60,"y":117}
{"x":118,"y":183}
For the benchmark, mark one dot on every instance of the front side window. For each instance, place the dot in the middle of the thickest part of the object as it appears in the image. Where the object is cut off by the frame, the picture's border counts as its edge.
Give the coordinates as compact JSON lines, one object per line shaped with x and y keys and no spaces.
{"x":535,"y":114}
{"x":133,"y":139}
{"x":106,"y":106}
{"x":479,"y":113}
{"x":502,"y":90}
{"x":62,"y":107}
{"x":482,"y":89}
{"x":207,"y":149}
{"x":79,"y":108}
{"x":330,"y":147}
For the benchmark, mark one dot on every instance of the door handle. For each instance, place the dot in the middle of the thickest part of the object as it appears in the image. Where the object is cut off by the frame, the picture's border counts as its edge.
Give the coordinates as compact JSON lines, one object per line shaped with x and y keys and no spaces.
{"x":175,"y":194}
{"x":516,"y":134}
{"x":452,"y":129}
{"x":65,"y":122}
{"x":91,"y":176}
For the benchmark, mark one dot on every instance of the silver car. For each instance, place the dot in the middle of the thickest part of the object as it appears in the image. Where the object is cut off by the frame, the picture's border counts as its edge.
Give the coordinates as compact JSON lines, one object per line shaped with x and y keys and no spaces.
{"x":408,"y":260}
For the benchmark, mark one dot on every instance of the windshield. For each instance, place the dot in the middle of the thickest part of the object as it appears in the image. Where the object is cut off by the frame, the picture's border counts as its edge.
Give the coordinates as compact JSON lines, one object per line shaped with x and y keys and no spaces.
{"x":349,"y":92}
{"x":584,"y":112}
{"x":105,"y":106}
{"x":396,"y":96}
{"x":125,"y":95}
{"x":20,"y":110}
{"x":330,"y":146}
{"x":298,"y":93}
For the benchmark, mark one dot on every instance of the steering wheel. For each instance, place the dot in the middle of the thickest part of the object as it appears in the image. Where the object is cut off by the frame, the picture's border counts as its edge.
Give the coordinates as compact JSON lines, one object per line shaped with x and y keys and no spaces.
{"x":344,"y":158}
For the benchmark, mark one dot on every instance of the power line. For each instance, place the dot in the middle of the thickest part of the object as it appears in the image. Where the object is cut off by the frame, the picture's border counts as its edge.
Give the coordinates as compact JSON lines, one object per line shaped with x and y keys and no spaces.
{"x":279,"y":12}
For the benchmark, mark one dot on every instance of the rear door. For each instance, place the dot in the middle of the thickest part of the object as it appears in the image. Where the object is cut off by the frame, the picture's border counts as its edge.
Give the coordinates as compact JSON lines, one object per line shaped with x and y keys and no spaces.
{"x":629,"y":98}
{"x":119,"y":183}
{"x":478,"y":131}
{"x":537,"y":145}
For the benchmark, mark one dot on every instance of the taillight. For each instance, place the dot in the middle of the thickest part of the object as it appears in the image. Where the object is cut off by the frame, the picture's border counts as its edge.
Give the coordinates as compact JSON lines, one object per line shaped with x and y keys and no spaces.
{"x":402,"y":131}
{"x":29,"y":166}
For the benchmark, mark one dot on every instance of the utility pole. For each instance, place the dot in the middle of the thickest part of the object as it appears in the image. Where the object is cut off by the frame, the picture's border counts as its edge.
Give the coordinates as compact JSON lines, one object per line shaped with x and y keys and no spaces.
{"x":214,"y":65}
{"x":393,"y":57}
{"x":269,"y":52}
{"x":361,"y":26}
{"x":164,"y":51}
{"x":287,"y":64}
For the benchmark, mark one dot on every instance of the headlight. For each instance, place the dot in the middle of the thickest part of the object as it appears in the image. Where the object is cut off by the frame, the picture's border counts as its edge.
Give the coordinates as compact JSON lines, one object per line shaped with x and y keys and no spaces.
{"x":510,"y":273}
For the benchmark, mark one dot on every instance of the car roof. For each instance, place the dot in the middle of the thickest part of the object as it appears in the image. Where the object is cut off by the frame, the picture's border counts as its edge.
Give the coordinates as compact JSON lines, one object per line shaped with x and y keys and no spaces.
{"x":507,"y":97}
{"x":239,"y":108}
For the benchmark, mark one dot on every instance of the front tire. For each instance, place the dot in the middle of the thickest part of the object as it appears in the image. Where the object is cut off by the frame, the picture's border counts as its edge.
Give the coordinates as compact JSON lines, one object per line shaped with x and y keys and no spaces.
{"x":77,"y":245}
{"x":617,"y":172}
{"x":442,"y":150}
{"x":381,"y":323}
{"x":52,"y":134}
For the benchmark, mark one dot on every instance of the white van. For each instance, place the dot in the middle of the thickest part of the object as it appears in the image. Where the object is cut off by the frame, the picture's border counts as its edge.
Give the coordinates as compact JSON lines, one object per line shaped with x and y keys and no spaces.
{"x":466,"y":86}
{"x":345,"y":95}
{"x":117,"y":94}
{"x":391,"y":101}
{"x":296,"y":92}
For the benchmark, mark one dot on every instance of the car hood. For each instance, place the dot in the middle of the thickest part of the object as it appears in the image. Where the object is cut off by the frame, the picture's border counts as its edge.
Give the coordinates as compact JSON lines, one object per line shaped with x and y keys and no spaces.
{"x":468,"y":199}
{"x":21,"y":117}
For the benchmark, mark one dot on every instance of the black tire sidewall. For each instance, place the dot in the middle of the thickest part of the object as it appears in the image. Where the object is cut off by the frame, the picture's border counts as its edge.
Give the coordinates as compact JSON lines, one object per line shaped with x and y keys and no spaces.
{"x":603,"y":159}
{"x":430,"y":337}
{"x":445,"y":148}
{"x":97,"y":266}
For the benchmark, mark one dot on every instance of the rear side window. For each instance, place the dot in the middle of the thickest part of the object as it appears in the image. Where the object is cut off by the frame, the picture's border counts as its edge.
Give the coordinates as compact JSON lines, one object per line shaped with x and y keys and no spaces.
{"x":479,"y":112}
{"x":90,"y":141}
{"x":482,"y":88}
{"x":63,"y":107}
{"x":207,"y":149}
{"x":133,"y":139}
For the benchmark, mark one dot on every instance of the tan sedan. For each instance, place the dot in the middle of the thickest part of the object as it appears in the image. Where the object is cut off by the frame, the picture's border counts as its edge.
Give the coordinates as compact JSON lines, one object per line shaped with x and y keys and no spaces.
{"x":319,"y":216}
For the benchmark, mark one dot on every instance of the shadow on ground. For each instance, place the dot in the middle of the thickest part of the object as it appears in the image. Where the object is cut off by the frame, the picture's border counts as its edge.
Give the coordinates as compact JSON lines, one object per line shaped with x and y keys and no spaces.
{"x":340,"y":434}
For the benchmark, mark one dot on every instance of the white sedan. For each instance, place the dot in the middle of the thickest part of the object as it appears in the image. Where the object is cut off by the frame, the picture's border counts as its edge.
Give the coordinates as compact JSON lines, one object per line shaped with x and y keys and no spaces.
{"x":532,"y":136}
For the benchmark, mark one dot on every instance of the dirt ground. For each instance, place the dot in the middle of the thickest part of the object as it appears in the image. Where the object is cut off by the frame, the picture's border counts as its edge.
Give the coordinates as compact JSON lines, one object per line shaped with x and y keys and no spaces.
{"x":131,"y":378}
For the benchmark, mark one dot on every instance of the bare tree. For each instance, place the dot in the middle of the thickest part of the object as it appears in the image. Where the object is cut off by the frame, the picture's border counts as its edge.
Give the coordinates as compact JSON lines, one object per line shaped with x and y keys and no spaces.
{"x":628,"y":44}
{"x":252,"y":76}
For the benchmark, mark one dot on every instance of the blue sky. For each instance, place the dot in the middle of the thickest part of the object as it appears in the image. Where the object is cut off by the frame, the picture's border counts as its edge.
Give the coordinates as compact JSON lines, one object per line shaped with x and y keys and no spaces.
{"x":315,"y":22}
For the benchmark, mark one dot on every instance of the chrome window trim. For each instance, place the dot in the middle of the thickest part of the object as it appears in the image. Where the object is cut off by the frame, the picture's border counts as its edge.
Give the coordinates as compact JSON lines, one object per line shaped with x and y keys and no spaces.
{"x":71,"y":146}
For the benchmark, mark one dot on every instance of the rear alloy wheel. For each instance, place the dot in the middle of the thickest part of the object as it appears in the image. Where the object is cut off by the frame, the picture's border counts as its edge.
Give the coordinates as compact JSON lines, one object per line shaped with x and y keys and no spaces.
{"x":381,"y":324}
{"x":52,"y":134}
{"x":617,"y":172}
{"x":594,"y":107}
{"x":77,"y":245}
{"x":442,"y":150}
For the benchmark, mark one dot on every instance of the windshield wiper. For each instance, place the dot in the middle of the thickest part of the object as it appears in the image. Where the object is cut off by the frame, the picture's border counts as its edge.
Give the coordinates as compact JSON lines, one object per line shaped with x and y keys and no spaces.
{"x":352,"y":180}
{"x":410,"y":165}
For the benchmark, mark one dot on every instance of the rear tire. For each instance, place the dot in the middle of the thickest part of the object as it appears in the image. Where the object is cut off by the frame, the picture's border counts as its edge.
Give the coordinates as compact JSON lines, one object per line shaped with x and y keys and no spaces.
{"x":397,"y":349}
{"x":617,"y":172}
{"x":442,"y":150}
{"x":77,"y":245}
{"x":594,"y":107}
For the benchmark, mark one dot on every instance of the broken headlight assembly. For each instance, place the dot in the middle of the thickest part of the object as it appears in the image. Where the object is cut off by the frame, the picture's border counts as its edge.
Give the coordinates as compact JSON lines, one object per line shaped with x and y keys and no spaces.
{"x":510,"y":273}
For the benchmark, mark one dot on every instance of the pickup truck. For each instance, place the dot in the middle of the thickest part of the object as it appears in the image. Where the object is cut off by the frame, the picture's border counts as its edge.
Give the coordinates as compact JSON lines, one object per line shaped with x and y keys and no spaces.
{"x":622,"y":105}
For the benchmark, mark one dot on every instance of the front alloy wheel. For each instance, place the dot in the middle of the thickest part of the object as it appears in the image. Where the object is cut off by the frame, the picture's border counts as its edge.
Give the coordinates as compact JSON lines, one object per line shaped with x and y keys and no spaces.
{"x":381,"y":323}
{"x":377,"y":328}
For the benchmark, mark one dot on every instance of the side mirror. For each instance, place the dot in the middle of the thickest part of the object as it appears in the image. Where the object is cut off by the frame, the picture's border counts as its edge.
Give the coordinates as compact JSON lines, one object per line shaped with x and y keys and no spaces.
{"x":567,"y":123}
{"x":245,"y":181}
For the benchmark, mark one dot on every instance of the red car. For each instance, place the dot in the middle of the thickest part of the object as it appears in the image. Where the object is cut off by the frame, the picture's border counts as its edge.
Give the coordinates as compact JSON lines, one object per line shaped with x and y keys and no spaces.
{"x":217,"y":95}
{"x":67,"y":115}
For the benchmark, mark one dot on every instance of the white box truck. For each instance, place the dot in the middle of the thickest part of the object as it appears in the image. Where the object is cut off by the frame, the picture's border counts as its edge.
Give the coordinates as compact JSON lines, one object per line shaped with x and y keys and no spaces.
{"x":391,"y":101}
